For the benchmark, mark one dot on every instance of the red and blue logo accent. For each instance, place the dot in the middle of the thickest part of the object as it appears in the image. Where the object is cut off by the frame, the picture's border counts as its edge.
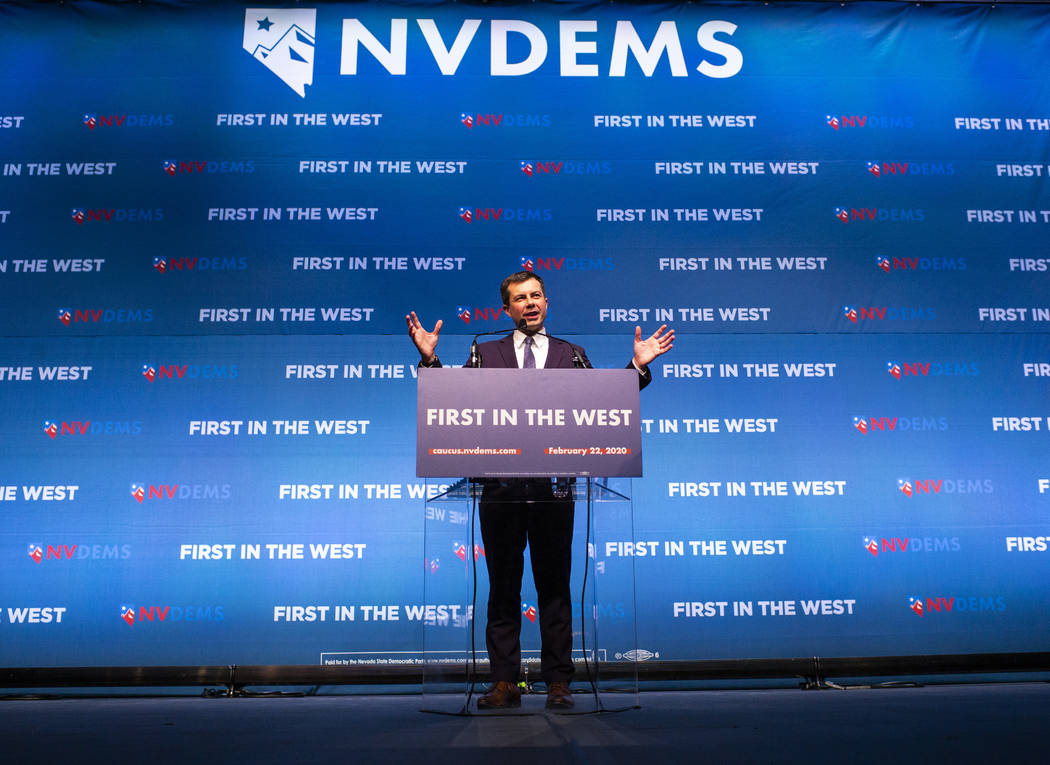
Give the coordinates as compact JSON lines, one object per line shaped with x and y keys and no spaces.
{"x":466,"y":214}
{"x":894,"y":369}
{"x":915,"y":604}
{"x":842,"y":214}
{"x":160,"y":264}
{"x":171,"y":167}
{"x":871,"y":545}
{"x":463,"y":313}
{"x":91,"y":120}
{"x":65,"y":316}
{"x":883,"y":263}
{"x":50,"y":428}
{"x":35,"y":552}
{"x":850,"y":313}
{"x":138,"y":491}
{"x":77,"y":214}
{"x":528,"y":611}
{"x":527,"y":263}
{"x":861,"y":424}
{"x":875,"y":169}
{"x":149,"y":372}
{"x":127,"y":613}
{"x":466,"y":119}
{"x":527,"y":168}
{"x":432,"y":565}
{"x":832,"y":121}
{"x":905,"y":487}
{"x":460,"y":550}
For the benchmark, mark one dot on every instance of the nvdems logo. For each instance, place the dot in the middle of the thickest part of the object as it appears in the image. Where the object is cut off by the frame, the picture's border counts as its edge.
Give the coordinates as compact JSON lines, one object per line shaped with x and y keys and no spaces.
{"x":283,"y":41}
{"x":129,"y":614}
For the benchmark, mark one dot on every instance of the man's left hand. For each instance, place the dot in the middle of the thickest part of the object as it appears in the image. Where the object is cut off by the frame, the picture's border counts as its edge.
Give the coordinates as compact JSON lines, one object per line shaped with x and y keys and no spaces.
{"x":657,"y":344}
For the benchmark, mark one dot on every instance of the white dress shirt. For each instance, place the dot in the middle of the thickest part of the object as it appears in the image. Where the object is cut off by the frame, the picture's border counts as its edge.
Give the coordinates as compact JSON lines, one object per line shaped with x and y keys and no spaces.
{"x":540,"y":344}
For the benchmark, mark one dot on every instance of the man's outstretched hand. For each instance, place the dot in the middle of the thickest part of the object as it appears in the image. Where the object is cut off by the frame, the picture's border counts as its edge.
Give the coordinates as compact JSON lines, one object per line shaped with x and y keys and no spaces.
{"x":657,"y":344}
{"x":426,"y":342}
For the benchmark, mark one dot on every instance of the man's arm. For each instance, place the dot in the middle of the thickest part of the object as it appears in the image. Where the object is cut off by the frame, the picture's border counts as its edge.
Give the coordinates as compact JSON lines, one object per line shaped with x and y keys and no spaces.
{"x":644,"y":375}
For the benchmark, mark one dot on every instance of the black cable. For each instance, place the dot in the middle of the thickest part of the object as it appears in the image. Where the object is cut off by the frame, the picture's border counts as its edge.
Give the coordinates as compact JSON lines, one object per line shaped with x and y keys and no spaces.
{"x":591,"y":677}
{"x":473,"y":597}
{"x":583,"y":599}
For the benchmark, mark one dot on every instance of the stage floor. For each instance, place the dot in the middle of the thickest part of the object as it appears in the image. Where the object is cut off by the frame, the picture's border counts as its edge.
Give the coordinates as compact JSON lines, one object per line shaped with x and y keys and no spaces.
{"x":932,"y":724}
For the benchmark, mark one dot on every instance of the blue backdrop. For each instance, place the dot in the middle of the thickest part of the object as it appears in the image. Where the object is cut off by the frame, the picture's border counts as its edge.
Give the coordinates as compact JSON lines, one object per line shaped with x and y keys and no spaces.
{"x":214,"y":218}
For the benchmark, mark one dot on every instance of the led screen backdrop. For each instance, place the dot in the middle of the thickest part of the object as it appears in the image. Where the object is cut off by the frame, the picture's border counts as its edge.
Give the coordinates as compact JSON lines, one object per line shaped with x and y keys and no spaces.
{"x":214,"y":217}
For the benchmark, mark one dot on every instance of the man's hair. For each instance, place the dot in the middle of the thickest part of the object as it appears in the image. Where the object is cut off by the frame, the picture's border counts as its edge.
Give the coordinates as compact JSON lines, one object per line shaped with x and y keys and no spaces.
{"x":517,"y":278}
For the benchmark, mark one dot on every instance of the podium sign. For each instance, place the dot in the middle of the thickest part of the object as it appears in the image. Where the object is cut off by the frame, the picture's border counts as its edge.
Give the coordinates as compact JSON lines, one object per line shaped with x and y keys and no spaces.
{"x":495,"y":423}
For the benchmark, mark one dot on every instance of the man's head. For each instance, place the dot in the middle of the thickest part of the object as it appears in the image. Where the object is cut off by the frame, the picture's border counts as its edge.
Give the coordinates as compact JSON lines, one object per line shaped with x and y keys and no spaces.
{"x":524,"y":297}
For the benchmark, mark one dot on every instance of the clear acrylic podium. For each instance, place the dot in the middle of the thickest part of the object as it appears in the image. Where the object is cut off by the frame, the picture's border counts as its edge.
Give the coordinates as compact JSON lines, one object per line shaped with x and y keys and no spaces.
{"x":455,"y":662}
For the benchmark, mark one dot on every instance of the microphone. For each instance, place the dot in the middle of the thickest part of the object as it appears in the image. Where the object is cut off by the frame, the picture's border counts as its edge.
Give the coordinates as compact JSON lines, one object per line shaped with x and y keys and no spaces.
{"x":474,"y":362}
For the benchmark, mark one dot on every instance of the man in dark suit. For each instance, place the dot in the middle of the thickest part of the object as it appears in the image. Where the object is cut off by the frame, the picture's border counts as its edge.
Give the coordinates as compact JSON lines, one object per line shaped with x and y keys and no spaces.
{"x":516,"y":511}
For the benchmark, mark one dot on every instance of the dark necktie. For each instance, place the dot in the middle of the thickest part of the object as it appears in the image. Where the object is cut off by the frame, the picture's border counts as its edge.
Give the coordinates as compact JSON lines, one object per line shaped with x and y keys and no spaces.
{"x":528,"y":361}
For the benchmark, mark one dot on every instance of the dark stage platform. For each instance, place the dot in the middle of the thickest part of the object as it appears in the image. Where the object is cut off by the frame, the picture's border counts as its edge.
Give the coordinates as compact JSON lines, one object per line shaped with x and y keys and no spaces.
{"x":933,"y":724}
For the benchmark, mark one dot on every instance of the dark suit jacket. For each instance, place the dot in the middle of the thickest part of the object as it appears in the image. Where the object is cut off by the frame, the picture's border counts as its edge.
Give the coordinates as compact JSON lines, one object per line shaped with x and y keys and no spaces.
{"x":499,"y":354}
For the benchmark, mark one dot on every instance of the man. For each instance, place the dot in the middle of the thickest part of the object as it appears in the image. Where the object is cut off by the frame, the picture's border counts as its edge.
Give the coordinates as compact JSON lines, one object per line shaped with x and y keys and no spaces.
{"x":516,"y":511}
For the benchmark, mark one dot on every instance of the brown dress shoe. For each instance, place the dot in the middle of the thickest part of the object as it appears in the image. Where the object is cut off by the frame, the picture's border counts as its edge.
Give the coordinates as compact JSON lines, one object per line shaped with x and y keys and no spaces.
{"x":559,"y":696}
{"x":502,"y":695}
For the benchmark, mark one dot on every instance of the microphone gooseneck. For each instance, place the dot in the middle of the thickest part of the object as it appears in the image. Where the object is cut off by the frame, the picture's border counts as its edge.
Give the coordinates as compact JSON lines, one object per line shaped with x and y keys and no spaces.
{"x":474,"y":362}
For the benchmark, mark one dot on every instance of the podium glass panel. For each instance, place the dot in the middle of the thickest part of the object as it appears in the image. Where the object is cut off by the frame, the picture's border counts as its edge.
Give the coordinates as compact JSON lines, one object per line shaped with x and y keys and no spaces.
{"x":456,"y":670}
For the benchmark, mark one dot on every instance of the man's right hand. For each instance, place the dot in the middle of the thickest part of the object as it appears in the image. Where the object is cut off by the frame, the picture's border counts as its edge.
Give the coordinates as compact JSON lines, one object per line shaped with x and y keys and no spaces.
{"x":425,"y":342}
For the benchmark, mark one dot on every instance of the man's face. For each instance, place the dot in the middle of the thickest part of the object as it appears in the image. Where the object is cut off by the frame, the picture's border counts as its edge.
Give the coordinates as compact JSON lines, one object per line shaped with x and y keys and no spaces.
{"x":527,"y":301}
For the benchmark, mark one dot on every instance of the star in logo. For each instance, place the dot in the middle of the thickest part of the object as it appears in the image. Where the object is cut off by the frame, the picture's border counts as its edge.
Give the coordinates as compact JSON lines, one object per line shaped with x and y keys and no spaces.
{"x":283,"y":44}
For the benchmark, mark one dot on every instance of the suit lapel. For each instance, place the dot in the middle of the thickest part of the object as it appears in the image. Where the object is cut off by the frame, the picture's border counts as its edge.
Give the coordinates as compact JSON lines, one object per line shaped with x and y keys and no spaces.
{"x":558,"y":356}
{"x":506,"y":351}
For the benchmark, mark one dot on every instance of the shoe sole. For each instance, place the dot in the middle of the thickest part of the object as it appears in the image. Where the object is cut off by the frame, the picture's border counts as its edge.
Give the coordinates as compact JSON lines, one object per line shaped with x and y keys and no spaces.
{"x":558,"y":705}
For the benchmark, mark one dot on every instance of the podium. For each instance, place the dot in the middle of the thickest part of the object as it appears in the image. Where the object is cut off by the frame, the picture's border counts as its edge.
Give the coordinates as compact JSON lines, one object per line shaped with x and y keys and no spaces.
{"x":604,"y":647}
{"x":553,"y":452}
